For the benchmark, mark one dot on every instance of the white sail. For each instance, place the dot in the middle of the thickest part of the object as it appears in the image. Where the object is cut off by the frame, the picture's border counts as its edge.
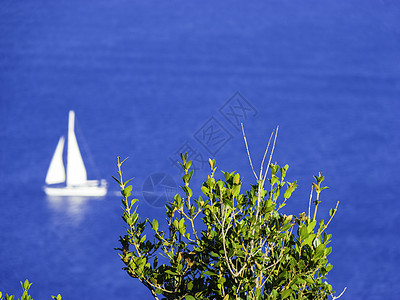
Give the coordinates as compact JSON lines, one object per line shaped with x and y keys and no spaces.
{"x":56,"y":172}
{"x":76,"y":171}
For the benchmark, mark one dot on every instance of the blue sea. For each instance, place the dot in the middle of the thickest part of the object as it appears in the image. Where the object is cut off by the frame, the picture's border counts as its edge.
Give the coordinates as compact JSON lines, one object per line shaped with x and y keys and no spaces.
{"x":150,"y":79}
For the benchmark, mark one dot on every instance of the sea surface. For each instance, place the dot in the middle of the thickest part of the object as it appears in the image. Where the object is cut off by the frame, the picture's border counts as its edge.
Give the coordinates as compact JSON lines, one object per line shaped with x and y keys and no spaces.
{"x":148,"y":80}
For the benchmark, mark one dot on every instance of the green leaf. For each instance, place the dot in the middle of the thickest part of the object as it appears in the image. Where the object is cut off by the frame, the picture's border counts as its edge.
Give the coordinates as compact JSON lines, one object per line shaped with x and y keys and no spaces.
{"x":155,"y":262}
{"x":142,"y":239}
{"x":236,"y":190}
{"x":116,"y":180}
{"x":276,"y":194}
{"x":212,"y":253}
{"x":186,"y":178}
{"x":181,"y":223}
{"x":133,"y":201}
{"x":26,"y":285}
{"x":155,"y":224}
{"x":188,"y":164}
{"x":171,"y":272}
{"x":133,"y":219}
{"x":290,"y":189}
{"x":179,"y":267}
{"x":208,"y":272}
{"x":127,"y":219}
{"x":319,"y":251}
{"x":287,"y":193}
{"x":329,"y":267}
{"x":332,"y":211}
{"x":228,"y":202}
{"x":184,"y":157}
{"x":188,"y":191}
{"x":274,"y":180}
{"x":236,"y":178}
{"x":211,"y":162}
{"x":220,"y":185}
{"x":283,"y":171}
{"x":300,"y":281}
{"x":303,"y":233}
{"x":286,"y":293}
{"x":210,"y":182}
{"x":328,"y":251}
{"x":274,"y":168}
{"x":140,"y":262}
{"x":126,"y":192}
{"x":319,"y":178}
{"x":128,"y":180}
{"x":316,"y":187}
{"x":204,"y":190}
{"x":286,"y":227}
{"x":178,"y":199}
{"x":311,"y":226}
{"x":269,"y":205}
{"x":227,"y":176}
{"x":308,"y":240}
{"x":123,"y":160}
{"x":188,"y":297}
{"x":176,"y":224}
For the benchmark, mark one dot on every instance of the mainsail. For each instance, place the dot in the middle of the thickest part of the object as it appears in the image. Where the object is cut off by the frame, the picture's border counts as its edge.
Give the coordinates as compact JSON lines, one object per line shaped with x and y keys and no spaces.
{"x":76,"y":171}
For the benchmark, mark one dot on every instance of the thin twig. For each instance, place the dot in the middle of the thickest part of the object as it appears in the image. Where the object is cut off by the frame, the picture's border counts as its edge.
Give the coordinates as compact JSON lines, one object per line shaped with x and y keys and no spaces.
{"x":309,"y":204}
{"x":262,"y":180}
{"x":232,"y":268}
{"x":265,"y":153}
{"x":337,"y":297}
{"x":272,"y":152}
{"x":330,"y":219}
{"x":248,"y":152}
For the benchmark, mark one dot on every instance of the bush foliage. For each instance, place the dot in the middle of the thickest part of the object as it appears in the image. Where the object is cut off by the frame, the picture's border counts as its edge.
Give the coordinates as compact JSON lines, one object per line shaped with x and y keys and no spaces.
{"x":26,"y":285}
{"x":229,"y":243}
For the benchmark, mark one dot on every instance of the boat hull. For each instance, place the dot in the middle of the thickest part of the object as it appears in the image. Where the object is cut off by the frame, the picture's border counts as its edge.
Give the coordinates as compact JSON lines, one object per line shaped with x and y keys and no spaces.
{"x":85,"y":190}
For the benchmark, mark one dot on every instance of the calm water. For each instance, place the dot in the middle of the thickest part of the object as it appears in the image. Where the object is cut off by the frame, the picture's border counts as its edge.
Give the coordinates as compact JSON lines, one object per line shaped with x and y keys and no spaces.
{"x":147,"y":80}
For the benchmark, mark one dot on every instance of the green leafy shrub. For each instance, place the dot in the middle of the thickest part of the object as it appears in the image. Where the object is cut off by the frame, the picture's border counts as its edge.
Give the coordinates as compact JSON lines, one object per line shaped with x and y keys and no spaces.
{"x":25,"y":295}
{"x":245,"y":248}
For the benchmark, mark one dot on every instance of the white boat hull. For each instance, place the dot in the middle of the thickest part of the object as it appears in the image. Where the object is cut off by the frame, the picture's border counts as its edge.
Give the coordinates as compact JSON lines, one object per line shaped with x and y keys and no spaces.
{"x":85,"y":190}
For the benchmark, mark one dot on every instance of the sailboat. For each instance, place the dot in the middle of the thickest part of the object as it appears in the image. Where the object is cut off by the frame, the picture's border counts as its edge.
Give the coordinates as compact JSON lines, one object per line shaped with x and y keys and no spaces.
{"x":73,"y":181}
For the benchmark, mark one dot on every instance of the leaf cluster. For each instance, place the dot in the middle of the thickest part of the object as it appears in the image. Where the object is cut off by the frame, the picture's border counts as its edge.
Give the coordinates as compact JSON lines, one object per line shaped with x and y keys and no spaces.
{"x":25,"y":295}
{"x":229,"y":244}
